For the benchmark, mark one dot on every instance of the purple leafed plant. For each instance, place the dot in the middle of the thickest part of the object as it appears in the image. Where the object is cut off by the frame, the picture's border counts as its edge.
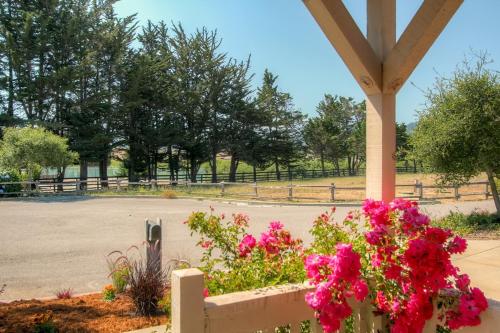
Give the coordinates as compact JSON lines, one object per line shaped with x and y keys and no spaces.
{"x":65,"y":293}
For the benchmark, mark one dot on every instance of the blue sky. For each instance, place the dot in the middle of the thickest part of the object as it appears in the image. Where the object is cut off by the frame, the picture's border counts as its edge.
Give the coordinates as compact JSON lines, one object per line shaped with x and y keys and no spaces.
{"x":282,"y":35}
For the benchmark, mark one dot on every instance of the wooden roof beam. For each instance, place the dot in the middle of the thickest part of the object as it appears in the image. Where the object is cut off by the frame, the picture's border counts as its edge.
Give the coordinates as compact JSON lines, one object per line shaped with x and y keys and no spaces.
{"x":344,"y":34}
{"x":427,"y":24}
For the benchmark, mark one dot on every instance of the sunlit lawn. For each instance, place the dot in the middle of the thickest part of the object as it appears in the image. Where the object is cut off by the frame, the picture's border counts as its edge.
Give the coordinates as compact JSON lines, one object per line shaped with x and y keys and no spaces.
{"x":310,"y":190}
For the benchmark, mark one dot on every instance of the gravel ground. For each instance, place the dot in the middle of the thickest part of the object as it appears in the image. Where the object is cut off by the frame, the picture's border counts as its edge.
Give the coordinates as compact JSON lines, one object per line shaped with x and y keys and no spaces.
{"x":60,"y":242}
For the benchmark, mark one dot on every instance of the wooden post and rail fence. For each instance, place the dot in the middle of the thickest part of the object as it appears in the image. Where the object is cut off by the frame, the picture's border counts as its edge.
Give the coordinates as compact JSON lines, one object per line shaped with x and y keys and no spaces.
{"x":290,"y":192}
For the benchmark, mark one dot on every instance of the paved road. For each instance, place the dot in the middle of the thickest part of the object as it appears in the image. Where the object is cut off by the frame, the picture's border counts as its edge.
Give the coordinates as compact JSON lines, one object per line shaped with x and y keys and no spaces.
{"x":46,"y":244}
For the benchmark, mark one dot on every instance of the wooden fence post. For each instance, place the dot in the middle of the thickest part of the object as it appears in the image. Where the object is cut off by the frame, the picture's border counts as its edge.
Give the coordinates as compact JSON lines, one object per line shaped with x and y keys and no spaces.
{"x":487,"y":191}
{"x":332,"y":192}
{"x":154,"y":185}
{"x":457,"y":194}
{"x":420,"y":190}
{"x":290,"y":192}
{"x":188,"y":305}
{"x":77,"y":186}
{"x":189,"y":186}
{"x":255,"y":190}
{"x":222,"y":188}
{"x":118,"y":185}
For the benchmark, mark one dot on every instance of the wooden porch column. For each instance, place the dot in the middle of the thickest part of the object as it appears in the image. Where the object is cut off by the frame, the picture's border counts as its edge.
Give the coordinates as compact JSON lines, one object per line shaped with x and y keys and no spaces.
{"x":381,"y":107}
{"x":381,"y":66}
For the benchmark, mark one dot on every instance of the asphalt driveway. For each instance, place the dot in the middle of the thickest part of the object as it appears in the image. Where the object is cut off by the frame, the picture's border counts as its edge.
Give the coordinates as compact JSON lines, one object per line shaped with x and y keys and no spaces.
{"x":52,"y":243}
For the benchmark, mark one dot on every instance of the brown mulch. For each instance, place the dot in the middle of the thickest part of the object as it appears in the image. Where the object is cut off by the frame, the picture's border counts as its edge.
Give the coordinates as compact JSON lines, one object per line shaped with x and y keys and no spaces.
{"x":84,"y":314}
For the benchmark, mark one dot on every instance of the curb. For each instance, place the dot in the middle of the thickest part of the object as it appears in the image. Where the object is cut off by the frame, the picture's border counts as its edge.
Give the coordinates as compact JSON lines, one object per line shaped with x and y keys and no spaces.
{"x":257,"y":202}
{"x":218,"y":199}
{"x":154,"y":329}
{"x":47,"y":298}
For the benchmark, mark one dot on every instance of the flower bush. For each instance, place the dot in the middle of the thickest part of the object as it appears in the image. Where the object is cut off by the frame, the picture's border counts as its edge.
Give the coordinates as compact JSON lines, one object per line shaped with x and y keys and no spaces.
{"x":234,"y":260}
{"x":387,"y":255}
{"x":109,"y":293}
{"x":399,"y":260}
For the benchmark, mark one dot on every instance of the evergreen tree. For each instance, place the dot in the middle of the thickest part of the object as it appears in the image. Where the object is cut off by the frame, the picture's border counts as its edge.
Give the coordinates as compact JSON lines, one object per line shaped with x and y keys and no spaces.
{"x":283,"y":124}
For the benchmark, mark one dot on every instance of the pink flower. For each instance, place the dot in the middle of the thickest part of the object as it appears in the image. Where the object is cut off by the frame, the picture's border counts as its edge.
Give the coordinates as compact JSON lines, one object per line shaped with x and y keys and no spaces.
{"x":457,"y":245}
{"x":382,"y":302}
{"x":402,"y":204}
{"x":375,"y":237}
{"x":275,"y":226}
{"x":345,"y":264}
{"x":415,"y":259}
{"x":462,"y":282}
{"x":377,"y":211}
{"x":470,"y":306}
{"x":437,"y":235}
{"x":241,"y":219}
{"x":320,"y":297}
{"x":205,"y":292}
{"x":313,"y":265}
{"x":246,"y":245}
{"x":206,"y":244}
{"x":360,"y":289}
{"x":269,"y":242}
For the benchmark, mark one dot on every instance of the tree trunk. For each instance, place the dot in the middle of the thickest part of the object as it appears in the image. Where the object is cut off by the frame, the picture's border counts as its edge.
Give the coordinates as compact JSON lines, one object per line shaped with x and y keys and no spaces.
{"x":254,"y":173}
{"x":278,"y":174}
{"x":494,"y":190}
{"x":84,"y":164}
{"x":103,"y":172}
{"x":60,"y":179}
{"x":233,"y":167}
{"x":193,"y":169}
{"x":155,"y":166}
{"x":322,"y":157}
{"x":213,"y":166}
{"x":337,"y":166}
{"x":171,"y":168}
{"x":10,"y":107}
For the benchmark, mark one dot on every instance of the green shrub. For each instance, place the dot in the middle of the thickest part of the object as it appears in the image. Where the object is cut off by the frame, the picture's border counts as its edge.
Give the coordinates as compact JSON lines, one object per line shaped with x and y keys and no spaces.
{"x":45,"y":324}
{"x":118,"y":272}
{"x":234,"y":260}
{"x":7,"y":177}
{"x":165,"y":304}
{"x":477,"y":222}
{"x":109,"y":293}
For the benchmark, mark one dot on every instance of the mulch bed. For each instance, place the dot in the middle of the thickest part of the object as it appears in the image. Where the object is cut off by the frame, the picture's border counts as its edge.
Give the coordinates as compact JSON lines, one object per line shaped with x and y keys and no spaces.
{"x":88,"y":313}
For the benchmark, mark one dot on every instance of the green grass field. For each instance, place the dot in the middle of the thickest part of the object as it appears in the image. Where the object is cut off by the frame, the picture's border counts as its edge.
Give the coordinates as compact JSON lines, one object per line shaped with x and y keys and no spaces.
{"x":311,"y":190}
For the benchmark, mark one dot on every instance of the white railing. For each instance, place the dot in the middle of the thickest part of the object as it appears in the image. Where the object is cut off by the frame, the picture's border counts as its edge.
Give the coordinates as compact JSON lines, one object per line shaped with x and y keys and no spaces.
{"x":266,"y":309}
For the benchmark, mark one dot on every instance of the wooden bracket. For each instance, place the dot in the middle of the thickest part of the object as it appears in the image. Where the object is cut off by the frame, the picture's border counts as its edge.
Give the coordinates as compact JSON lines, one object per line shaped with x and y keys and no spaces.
{"x":373,"y":74}
{"x":423,"y":30}
{"x":350,"y":43}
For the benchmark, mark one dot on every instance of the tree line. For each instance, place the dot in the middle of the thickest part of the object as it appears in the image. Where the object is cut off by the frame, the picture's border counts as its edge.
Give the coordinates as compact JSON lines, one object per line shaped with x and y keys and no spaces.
{"x":161,"y":94}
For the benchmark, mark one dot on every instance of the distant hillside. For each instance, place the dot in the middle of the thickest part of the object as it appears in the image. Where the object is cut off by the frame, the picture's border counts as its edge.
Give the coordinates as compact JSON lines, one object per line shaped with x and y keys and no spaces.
{"x":411,"y":126}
